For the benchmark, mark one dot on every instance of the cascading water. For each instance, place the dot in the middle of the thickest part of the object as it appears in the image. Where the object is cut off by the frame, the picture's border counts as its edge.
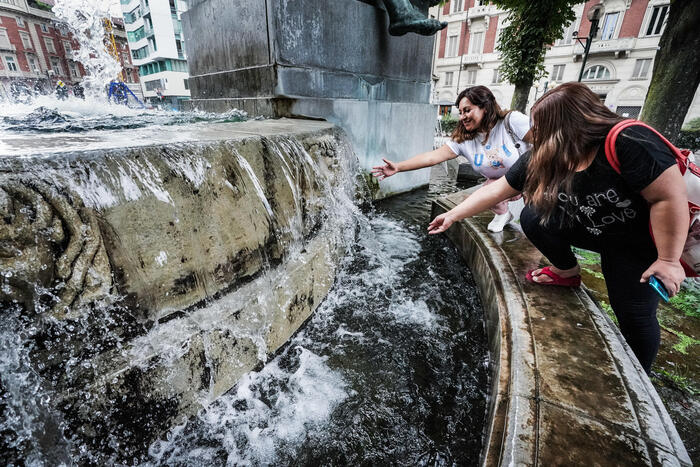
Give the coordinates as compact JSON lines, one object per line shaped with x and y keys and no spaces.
{"x":390,"y":370}
{"x":85,"y":19}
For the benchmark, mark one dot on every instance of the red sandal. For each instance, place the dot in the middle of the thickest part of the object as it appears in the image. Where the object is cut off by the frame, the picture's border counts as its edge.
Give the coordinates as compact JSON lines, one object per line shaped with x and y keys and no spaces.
{"x":573,"y":281}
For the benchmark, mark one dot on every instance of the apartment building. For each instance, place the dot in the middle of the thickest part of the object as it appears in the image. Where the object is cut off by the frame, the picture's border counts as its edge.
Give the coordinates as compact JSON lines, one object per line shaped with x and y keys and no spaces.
{"x":154,"y":31}
{"x":36,"y":50}
{"x":618,"y":68}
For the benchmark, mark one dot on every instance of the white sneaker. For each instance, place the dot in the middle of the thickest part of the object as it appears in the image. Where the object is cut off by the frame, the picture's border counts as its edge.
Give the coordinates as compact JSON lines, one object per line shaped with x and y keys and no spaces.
{"x":499,"y":221}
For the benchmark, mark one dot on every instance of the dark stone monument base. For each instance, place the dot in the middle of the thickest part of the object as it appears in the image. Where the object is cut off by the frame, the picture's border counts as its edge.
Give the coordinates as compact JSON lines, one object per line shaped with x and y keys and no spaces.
{"x":330,"y":59}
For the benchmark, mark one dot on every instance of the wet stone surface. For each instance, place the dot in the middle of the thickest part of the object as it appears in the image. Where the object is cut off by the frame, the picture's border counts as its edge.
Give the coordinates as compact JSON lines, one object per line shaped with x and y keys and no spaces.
{"x":390,"y":370}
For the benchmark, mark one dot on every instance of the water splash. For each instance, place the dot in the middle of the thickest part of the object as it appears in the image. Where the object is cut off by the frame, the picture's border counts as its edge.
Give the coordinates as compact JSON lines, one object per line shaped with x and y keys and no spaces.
{"x":85,"y":20}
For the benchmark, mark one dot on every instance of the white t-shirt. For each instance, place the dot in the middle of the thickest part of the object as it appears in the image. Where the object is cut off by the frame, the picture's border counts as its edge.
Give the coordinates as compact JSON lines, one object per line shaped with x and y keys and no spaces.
{"x":493,"y":159}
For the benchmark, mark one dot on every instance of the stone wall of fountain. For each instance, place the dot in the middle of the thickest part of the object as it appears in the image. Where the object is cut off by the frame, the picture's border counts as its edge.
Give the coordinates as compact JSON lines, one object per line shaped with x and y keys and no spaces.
{"x":314,"y":59}
{"x":152,"y":277}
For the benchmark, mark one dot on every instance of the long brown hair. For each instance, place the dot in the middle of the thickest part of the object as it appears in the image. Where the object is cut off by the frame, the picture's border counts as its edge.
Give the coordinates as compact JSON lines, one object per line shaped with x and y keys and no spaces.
{"x":482,"y":97}
{"x":569,"y":123}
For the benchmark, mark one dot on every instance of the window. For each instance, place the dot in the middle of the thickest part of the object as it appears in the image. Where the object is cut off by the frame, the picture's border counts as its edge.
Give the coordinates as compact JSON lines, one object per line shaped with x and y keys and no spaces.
{"x":56,"y":66}
{"x":476,"y":43}
{"x":568,"y":35}
{"x":4,"y":39}
{"x":186,"y":82}
{"x":596,"y":72}
{"x":557,"y":73}
{"x":481,"y":2}
{"x":152,"y":43}
{"x":136,"y":35}
{"x":657,"y":20}
{"x":452,"y":42}
{"x":140,"y":53}
{"x":456,"y":6}
{"x":50,"y":45}
{"x":448,"y":78}
{"x":33,"y":65}
{"x":26,"y":40}
{"x":73,"y":70}
{"x":10,"y":63}
{"x":471,"y":76}
{"x":153,"y":85}
{"x":641,"y":68}
{"x":497,"y":78}
{"x":67,"y":47}
{"x":20,"y":22}
{"x":44,"y":28}
{"x":133,"y":15}
{"x":609,"y":24}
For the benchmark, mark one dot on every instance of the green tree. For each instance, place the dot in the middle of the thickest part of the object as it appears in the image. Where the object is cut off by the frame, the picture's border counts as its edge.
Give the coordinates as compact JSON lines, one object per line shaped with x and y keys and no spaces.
{"x":532,"y":26}
{"x":676,"y":72}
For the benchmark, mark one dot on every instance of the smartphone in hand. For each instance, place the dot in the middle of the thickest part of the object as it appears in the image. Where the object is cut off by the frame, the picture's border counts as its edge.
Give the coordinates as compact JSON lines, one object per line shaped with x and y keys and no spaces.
{"x":659,"y":287}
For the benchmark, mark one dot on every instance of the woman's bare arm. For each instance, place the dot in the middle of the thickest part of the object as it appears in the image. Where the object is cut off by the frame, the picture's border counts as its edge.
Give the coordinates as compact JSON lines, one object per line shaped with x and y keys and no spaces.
{"x":426,"y":159}
{"x":669,"y":223}
{"x":480,"y":200}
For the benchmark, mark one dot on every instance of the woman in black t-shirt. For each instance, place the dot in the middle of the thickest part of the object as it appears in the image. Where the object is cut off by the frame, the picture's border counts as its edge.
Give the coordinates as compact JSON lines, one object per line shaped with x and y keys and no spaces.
{"x":575,"y":198}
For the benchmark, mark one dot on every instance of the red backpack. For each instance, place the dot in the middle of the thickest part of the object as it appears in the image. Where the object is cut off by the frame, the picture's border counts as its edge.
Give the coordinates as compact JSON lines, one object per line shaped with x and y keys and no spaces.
{"x":690,"y":259}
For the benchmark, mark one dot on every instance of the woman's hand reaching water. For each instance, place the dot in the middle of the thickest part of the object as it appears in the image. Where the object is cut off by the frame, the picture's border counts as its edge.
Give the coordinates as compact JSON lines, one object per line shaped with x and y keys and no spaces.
{"x":440,"y":223}
{"x":384,"y":171}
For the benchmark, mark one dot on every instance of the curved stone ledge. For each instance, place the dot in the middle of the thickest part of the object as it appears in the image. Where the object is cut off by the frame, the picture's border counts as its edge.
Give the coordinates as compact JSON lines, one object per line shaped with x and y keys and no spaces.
{"x":153,"y":273}
{"x":565,"y":388}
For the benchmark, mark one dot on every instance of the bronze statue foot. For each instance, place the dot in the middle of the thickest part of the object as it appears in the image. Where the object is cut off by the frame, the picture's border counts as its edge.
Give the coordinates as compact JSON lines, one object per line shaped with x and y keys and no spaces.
{"x":422,"y":25}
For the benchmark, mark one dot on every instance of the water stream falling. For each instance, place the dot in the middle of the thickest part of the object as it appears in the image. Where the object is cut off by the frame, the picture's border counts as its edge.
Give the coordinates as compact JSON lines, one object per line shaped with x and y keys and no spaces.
{"x":85,"y":20}
{"x":390,"y":370}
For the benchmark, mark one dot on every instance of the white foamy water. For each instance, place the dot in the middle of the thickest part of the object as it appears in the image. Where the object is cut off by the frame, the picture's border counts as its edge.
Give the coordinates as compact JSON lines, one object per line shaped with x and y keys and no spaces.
{"x":271,"y":410}
{"x":85,"y":19}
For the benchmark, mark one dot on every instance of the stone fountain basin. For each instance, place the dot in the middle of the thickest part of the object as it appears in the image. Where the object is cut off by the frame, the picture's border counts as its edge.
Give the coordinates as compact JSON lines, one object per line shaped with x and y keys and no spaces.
{"x":209,"y":241}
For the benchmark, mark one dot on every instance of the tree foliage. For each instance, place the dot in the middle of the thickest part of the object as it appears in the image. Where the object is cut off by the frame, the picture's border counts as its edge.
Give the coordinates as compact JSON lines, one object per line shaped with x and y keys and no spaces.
{"x":676,"y":74}
{"x":532,"y":26}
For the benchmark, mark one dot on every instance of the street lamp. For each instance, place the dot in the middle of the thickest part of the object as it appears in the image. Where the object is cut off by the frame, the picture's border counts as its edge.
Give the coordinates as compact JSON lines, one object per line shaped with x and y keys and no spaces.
{"x":594,"y":15}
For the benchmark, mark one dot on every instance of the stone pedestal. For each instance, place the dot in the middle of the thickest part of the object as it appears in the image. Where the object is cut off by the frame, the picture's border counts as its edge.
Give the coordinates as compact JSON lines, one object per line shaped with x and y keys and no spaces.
{"x":331,"y":59}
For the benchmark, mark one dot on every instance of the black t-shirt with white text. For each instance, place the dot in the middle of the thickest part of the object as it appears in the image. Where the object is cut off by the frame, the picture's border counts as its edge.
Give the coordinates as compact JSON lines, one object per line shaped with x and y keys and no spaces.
{"x":602,"y":201}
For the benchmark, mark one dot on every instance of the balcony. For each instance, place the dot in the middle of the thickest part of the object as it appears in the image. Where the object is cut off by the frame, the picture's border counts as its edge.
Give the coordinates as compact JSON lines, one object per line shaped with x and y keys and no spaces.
{"x":480,"y":11}
{"x":473,"y":59}
{"x":620,"y":48}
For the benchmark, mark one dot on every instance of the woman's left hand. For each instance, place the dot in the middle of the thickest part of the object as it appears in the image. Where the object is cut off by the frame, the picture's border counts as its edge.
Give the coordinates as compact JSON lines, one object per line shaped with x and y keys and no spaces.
{"x":671,"y":273}
{"x":440,"y":223}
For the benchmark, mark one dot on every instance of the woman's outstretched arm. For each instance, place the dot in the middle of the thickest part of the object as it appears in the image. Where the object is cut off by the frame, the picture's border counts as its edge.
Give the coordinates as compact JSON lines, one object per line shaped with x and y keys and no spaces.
{"x":426,"y":159}
{"x":482,"y":199}
{"x":669,"y":223}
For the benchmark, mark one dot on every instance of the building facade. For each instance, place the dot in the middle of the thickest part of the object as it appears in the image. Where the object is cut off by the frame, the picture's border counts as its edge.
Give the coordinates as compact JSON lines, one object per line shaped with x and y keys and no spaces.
{"x":36,"y":50}
{"x":618,"y":68}
{"x":154,"y":32}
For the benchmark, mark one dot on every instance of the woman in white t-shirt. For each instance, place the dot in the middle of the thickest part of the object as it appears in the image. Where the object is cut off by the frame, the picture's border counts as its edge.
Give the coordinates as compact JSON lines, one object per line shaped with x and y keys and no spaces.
{"x":490,"y":141}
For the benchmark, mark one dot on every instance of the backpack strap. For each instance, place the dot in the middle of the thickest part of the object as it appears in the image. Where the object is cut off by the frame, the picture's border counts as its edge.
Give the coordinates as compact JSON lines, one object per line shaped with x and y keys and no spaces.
{"x":511,"y":133}
{"x":611,"y":139}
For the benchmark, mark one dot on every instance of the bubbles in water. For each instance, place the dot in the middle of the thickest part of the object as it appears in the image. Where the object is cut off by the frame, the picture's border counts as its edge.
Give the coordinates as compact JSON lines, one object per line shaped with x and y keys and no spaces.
{"x":271,"y":410}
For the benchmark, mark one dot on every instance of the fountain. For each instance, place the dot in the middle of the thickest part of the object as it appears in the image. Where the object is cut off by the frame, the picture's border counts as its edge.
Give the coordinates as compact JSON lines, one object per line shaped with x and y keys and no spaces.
{"x":157,"y":272}
{"x":182,"y":289}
